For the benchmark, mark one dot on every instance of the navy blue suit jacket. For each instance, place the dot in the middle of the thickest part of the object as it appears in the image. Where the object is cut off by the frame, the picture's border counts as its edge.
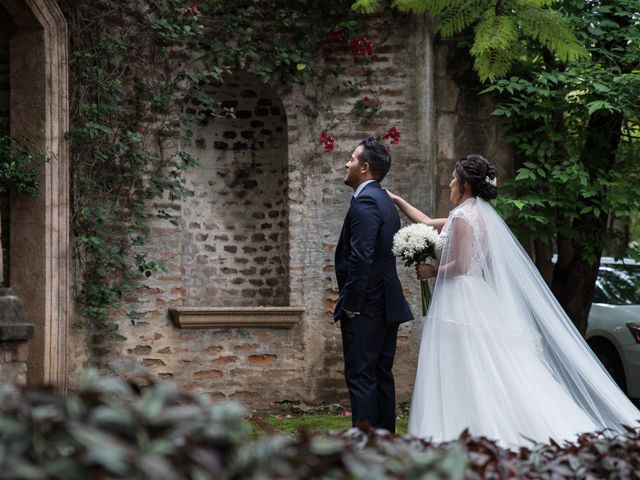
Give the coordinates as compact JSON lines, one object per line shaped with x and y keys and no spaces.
{"x":365,"y":266}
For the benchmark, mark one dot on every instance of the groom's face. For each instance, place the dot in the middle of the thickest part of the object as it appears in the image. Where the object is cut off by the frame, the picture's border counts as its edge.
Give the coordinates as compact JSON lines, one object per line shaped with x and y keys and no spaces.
{"x":353,"y":169}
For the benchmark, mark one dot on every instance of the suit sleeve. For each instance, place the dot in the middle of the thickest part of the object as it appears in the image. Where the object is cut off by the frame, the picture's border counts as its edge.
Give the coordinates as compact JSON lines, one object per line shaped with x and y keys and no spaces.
{"x":365,"y":225}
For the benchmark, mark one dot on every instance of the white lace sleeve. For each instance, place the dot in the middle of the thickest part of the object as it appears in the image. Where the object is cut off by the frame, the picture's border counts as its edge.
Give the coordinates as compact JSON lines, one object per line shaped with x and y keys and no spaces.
{"x":462,"y":245}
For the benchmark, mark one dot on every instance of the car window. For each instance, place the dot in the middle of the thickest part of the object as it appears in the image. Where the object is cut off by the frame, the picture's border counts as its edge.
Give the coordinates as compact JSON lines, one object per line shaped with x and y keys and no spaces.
{"x":618,"y":285}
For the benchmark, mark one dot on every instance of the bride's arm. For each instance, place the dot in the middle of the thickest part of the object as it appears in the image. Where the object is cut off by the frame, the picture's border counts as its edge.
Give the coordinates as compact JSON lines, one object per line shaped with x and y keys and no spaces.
{"x":456,"y":255}
{"x":414,"y":214}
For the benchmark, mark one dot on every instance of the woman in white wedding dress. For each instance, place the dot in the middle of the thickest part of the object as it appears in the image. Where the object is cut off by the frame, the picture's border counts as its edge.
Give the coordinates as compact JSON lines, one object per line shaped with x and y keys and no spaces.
{"x":498,"y":354}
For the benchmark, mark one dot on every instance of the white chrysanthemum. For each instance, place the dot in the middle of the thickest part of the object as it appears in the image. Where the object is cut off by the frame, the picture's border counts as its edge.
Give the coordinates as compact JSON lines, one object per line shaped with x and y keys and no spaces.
{"x":415,"y":243}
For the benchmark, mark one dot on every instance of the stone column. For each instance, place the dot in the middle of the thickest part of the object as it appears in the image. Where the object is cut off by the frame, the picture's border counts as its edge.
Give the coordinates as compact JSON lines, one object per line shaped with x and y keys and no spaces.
{"x":1,"y":252}
{"x":14,"y":337}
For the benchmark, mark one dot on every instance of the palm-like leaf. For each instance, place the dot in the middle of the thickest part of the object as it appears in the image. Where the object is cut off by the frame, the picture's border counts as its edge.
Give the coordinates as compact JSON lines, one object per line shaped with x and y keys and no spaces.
{"x":547,"y":27}
{"x":493,"y":46}
{"x":460,"y":15}
{"x":498,"y":25}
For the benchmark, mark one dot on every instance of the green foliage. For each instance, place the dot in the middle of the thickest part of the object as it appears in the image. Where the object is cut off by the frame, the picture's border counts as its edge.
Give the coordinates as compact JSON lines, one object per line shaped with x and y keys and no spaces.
{"x":20,"y":159}
{"x":500,"y":26}
{"x":134,"y":68}
{"x":121,"y":160}
{"x":111,"y":428}
{"x":550,"y":114}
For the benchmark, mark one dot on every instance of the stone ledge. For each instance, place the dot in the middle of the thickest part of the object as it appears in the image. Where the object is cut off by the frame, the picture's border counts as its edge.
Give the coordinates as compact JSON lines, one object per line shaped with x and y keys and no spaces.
{"x":16,"y":332}
{"x":236,"y":317}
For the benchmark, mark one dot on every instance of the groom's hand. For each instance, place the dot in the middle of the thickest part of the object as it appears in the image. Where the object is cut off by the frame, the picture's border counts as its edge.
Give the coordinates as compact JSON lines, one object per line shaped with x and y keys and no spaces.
{"x":351,"y":314}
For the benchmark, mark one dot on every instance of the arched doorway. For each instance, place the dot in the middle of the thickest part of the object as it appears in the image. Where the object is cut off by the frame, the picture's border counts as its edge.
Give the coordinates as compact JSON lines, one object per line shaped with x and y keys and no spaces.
{"x":39,"y":226}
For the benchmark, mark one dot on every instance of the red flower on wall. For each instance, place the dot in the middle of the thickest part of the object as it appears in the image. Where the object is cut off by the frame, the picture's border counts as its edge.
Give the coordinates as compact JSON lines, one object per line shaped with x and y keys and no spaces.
{"x":336,"y":36}
{"x":190,"y":10}
{"x":360,"y":46}
{"x":328,"y":142}
{"x":394,"y":134}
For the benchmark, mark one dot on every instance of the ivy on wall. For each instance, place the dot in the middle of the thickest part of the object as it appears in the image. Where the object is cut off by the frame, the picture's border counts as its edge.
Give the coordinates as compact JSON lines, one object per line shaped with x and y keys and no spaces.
{"x":134,"y":65}
{"x":20,"y":158}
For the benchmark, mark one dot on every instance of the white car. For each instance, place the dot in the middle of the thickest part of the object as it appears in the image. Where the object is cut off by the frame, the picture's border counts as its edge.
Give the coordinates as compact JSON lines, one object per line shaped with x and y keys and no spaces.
{"x":613,"y":331}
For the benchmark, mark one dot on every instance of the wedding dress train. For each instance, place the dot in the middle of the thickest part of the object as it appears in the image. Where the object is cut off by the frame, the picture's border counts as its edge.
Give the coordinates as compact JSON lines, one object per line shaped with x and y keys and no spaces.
{"x":498,"y":354}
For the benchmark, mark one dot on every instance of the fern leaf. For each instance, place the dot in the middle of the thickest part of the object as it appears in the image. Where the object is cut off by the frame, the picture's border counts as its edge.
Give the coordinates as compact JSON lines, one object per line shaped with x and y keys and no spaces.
{"x":495,"y":32}
{"x":547,"y":27}
{"x":412,"y":6}
{"x":459,"y":16}
{"x":535,"y":3}
{"x":433,"y":7}
{"x":367,"y":6}
{"x":494,"y":63}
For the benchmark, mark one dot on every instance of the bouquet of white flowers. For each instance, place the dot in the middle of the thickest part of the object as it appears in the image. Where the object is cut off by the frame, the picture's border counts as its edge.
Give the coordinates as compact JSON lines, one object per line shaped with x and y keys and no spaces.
{"x":416,"y":244}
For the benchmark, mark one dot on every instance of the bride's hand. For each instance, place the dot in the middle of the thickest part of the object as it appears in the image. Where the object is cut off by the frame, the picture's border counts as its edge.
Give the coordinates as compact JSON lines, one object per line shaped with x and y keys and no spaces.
{"x":425,"y":270}
{"x":393,"y":196}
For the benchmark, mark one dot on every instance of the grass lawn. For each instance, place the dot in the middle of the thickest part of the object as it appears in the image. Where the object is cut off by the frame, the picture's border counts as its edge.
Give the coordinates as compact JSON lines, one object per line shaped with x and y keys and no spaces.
{"x":312,"y":423}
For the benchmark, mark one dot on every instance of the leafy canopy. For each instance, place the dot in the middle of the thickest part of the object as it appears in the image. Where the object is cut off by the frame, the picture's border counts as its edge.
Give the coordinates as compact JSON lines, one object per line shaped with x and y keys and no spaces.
{"x":499,"y":27}
{"x":567,"y":173}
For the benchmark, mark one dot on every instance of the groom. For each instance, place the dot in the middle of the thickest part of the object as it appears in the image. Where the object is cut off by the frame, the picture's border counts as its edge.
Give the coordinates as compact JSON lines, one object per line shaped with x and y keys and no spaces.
{"x":371,"y":304}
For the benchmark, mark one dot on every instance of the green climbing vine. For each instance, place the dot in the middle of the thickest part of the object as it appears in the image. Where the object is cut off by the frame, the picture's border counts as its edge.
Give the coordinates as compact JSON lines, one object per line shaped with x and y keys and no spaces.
{"x":20,"y":158}
{"x":134,"y":66}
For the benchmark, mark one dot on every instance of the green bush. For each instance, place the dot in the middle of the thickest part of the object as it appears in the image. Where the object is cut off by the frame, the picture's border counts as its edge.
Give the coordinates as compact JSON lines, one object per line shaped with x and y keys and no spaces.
{"x":137,"y":428}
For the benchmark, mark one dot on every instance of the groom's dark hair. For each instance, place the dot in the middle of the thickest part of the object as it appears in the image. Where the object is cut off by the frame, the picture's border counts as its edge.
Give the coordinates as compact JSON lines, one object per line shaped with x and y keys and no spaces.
{"x":377,"y":156}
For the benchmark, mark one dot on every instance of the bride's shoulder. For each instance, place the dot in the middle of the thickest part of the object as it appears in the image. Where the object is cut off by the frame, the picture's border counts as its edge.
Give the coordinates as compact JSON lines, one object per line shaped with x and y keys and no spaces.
{"x":465,"y":210}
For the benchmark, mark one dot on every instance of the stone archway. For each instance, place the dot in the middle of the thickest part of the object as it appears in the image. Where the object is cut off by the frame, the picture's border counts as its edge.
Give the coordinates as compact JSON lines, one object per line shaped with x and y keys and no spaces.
{"x":39,"y":243}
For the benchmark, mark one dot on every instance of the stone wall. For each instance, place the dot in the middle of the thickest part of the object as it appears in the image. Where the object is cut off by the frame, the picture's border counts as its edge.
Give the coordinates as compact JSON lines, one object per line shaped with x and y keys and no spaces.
{"x":5,"y":28}
{"x":235,"y":229}
{"x":464,"y":121}
{"x":262,"y":230}
{"x":15,"y":334}
{"x":13,"y":362}
{"x":263,"y":225}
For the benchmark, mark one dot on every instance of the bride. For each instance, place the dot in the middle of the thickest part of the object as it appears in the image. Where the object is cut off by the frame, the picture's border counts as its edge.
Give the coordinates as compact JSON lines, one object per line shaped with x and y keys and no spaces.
{"x":498,"y":354}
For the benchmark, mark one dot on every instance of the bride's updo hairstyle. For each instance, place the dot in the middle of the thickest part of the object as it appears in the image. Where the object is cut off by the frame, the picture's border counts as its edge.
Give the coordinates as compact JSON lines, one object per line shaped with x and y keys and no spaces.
{"x":480,"y":173}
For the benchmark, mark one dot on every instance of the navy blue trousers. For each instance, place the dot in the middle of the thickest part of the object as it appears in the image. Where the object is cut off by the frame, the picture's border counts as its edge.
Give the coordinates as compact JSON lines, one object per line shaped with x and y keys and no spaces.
{"x":369,"y":347}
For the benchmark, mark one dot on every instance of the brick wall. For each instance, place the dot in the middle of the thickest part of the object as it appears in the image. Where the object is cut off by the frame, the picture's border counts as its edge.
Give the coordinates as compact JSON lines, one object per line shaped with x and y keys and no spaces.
{"x":5,"y":26}
{"x":13,"y":362}
{"x":235,"y":229}
{"x":267,"y":212}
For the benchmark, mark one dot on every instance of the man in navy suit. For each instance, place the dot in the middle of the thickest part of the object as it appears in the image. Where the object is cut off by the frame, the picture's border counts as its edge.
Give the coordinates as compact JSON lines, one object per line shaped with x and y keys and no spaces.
{"x":371,"y":304}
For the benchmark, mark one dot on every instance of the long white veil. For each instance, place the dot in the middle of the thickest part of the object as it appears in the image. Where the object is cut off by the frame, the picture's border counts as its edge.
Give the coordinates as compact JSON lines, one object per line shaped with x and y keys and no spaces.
{"x":497,"y":345}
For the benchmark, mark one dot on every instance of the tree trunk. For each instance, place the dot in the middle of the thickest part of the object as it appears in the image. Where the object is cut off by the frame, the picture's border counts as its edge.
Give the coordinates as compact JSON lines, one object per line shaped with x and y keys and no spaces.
{"x":574,"y":281}
{"x":543,"y":253}
{"x":574,"y":277}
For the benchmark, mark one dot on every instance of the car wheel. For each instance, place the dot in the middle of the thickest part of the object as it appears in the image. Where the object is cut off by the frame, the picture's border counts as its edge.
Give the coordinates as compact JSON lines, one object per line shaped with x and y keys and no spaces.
{"x":610,"y":360}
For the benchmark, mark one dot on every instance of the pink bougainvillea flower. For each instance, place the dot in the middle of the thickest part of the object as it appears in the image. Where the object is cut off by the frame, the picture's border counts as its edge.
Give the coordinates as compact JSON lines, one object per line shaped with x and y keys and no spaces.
{"x":394,"y":134}
{"x":361,"y":46}
{"x":190,"y":10}
{"x":346,"y":413}
{"x":328,"y":142}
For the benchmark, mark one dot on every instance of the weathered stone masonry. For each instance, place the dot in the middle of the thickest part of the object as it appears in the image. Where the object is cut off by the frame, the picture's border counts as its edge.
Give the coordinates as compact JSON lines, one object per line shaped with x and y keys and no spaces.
{"x":263,"y":225}
{"x":235,"y":229}
{"x":261,"y":231}
{"x":5,"y":26}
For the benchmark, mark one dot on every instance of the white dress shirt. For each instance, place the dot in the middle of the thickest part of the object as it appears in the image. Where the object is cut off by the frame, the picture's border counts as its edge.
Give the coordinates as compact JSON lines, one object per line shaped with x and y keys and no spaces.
{"x":361,"y":186}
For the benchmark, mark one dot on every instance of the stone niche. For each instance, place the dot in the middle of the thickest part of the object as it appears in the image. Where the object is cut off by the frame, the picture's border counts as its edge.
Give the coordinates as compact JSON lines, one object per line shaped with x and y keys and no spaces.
{"x":235,"y":245}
